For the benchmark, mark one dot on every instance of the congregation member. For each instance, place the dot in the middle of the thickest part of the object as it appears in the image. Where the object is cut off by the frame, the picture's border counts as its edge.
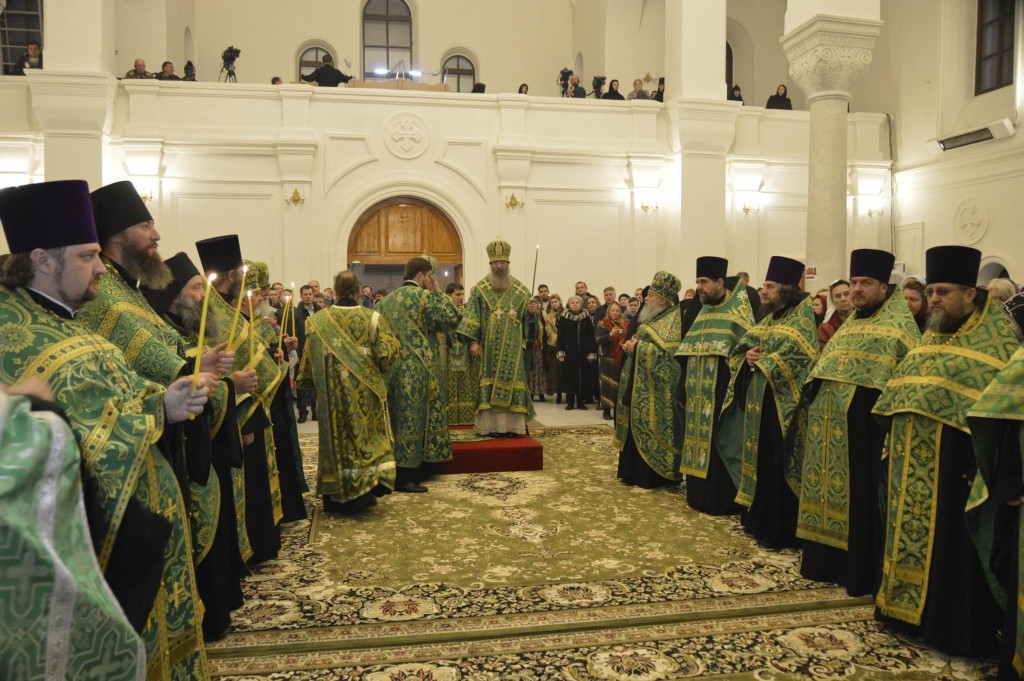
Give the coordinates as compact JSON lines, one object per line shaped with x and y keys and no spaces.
{"x":610,"y":335}
{"x":417,"y":312}
{"x":649,"y":448}
{"x":594,"y":396}
{"x":703,"y":355}
{"x":551,"y":317}
{"x":544,"y":295}
{"x":463,"y":377}
{"x":933,"y":584}
{"x":222,"y":256}
{"x":303,"y":311}
{"x":32,"y":58}
{"x":136,"y":512}
{"x":780,"y":100}
{"x":638,"y":91}
{"x":350,"y":348}
{"x":138,"y":70}
{"x":841,"y":444}
{"x":220,"y":554}
{"x":839,"y":294}
{"x":993,"y":509}
{"x":768,"y":368}
{"x":577,"y":351}
{"x":600,"y":312}
{"x":493,"y":324}
{"x":533,"y":352}
{"x":913,"y":292}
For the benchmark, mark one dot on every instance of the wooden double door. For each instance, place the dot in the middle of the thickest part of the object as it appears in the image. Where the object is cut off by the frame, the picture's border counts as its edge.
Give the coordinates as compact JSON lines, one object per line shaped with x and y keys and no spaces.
{"x":392,"y":232}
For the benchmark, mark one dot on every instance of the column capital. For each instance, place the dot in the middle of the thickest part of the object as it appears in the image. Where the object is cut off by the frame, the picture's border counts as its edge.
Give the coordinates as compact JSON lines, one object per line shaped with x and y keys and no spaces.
{"x":827,"y":54}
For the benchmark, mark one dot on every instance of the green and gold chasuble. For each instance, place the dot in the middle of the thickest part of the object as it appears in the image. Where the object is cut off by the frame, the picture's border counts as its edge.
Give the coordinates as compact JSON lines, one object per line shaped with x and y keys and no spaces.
{"x":347,"y":349}
{"x":268,"y":375}
{"x":712,"y":336}
{"x":463,"y":380}
{"x":1000,"y":407}
{"x":417,"y":398}
{"x":494,"y":319}
{"x":932,"y":389}
{"x":122,"y":315}
{"x":864,"y":352}
{"x":653,"y":415}
{"x":57,"y":615}
{"x":117,"y":417}
{"x":789,"y":344}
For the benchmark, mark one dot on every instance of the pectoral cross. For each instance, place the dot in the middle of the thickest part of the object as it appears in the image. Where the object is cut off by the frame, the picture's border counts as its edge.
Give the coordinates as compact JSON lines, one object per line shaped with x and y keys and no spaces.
{"x":177,"y":594}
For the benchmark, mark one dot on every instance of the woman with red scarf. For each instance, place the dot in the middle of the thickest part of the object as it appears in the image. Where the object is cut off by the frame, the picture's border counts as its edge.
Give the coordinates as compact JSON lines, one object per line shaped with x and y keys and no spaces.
{"x":610,"y":332}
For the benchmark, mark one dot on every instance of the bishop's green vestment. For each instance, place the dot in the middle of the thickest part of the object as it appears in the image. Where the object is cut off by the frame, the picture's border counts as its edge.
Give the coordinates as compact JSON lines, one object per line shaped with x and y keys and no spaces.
{"x":416,"y":395}
{"x":117,"y":417}
{"x":347,"y":349}
{"x":652,"y":415}
{"x":58,"y":614}
{"x":494,"y":319}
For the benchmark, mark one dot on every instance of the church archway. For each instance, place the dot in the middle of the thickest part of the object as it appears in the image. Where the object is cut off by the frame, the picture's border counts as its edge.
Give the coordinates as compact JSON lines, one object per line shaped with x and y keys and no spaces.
{"x":391,"y":232}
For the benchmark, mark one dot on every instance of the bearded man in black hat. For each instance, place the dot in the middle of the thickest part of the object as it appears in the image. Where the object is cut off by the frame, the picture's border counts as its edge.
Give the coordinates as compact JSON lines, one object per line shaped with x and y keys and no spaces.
{"x":841,"y":443}
{"x":933,"y":584}
{"x":119,"y":419}
{"x":768,"y":369}
{"x":724,"y":315}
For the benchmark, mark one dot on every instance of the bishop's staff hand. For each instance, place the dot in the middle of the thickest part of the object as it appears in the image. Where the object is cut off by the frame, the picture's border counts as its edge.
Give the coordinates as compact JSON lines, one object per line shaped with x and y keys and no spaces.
{"x":180,"y":400}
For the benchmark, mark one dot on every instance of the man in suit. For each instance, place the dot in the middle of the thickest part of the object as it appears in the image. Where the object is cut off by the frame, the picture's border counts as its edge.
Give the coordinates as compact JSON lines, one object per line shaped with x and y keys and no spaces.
{"x":327,"y":75}
{"x":304,"y":310}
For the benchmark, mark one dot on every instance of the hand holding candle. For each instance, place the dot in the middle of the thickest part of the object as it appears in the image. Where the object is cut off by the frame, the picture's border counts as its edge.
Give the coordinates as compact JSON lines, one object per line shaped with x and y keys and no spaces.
{"x":202,"y":330}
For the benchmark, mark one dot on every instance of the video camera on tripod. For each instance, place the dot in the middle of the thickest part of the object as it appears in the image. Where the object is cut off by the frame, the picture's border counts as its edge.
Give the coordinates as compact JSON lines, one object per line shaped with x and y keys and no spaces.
{"x":563,"y":80}
{"x":598,"y":85}
{"x":229,"y":56}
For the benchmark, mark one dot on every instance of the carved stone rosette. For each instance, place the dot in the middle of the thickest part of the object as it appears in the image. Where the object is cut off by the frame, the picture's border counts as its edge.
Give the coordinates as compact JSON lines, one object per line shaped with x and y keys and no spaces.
{"x":828,"y":54}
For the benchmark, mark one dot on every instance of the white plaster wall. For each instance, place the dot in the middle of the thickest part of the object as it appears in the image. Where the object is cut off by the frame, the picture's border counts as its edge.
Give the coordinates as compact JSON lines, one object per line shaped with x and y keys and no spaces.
{"x":763,"y":22}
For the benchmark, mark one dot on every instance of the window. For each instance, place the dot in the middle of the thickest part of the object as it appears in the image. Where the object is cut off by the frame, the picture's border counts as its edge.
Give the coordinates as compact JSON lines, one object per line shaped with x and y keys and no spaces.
{"x":20,"y":22}
{"x":459,"y":73}
{"x":995,"y":60}
{"x":311,"y":59}
{"x":387,"y":38}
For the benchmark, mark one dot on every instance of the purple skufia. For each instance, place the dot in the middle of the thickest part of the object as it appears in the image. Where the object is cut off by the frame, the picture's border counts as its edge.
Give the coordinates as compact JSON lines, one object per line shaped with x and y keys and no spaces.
{"x":47,"y":215}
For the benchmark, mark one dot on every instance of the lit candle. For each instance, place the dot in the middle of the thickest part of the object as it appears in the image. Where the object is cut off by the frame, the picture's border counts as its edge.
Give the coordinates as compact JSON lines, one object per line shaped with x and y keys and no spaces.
{"x":202,"y":331}
{"x":252,"y":328}
{"x":444,"y":285}
{"x":284,"y":322}
{"x":292,"y":316}
{"x":238,"y":311}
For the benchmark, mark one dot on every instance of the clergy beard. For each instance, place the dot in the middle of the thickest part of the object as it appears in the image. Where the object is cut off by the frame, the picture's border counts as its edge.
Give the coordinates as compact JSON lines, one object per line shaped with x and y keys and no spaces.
{"x":500,"y":282}
{"x":650,"y":311}
{"x":941,"y":321}
{"x":146,"y":266}
{"x":191,"y":314}
{"x":264,"y":309}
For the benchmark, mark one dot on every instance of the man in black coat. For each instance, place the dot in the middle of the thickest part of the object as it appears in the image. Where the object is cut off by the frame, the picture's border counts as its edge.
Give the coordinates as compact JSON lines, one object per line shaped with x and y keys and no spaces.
{"x":304,"y":310}
{"x":327,"y":75}
{"x":32,"y":59}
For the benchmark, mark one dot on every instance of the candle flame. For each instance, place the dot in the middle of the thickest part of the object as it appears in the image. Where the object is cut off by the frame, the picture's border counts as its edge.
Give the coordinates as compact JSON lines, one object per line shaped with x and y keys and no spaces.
{"x":212,"y":277}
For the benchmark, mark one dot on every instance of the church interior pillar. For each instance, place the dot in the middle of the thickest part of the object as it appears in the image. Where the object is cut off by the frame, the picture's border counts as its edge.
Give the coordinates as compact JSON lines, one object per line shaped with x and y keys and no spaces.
{"x":827,"y":54}
{"x":694,"y":43}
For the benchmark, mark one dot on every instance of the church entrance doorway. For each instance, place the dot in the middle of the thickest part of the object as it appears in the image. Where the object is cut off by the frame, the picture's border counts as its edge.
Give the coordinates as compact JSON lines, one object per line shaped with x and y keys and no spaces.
{"x":390,"y":233}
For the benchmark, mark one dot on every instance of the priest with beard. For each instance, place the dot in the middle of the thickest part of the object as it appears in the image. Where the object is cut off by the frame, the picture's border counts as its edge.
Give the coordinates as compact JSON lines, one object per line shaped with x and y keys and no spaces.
{"x":493,"y":324}
{"x":837,"y":439}
{"x":648,"y":424}
{"x":933,"y":582}
{"x":768,"y":368}
{"x":220,"y":555}
{"x":724,"y":315}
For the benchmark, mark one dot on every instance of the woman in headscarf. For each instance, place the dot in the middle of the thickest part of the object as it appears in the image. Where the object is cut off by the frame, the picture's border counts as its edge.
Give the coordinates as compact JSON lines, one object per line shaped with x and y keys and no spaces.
{"x":533,"y":354}
{"x":779,"y":100}
{"x":610,"y":334}
{"x":551,"y":346}
{"x":577,"y":349}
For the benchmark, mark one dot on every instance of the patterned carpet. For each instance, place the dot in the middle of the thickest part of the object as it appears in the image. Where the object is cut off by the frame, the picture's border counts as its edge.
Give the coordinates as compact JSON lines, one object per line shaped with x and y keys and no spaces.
{"x":563,"y":573}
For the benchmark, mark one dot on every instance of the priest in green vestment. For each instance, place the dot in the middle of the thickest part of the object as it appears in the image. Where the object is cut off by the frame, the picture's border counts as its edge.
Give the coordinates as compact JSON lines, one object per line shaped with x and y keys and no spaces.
{"x":463,"y":370}
{"x":703,"y":356}
{"x":348,"y":347}
{"x":648,"y":423}
{"x":993,"y":510}
{"x":768,"y":367}
{"x":59,"y":612}
{"x":933,"y":583}
{"x":417,"y":312}
{"x":839,"y":442}
{"x":493,"y":326}
{"x":137,"y":516}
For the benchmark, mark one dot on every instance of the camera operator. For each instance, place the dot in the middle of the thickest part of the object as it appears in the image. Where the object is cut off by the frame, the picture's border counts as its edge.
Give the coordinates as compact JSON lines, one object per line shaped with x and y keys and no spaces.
{"x":575,"y":90}
{"x":327,"y":75}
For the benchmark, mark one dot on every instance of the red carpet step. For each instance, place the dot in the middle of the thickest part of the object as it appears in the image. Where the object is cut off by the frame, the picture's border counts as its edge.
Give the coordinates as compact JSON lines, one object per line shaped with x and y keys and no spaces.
{"x":499,"y":455}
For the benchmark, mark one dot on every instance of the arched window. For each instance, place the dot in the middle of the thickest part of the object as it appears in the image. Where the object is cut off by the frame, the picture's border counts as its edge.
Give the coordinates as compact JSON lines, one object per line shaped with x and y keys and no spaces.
{"x":387,"y":38}
{"x":728,"y":65}
{"x":311,"y":59}
{"x":459,"y":73}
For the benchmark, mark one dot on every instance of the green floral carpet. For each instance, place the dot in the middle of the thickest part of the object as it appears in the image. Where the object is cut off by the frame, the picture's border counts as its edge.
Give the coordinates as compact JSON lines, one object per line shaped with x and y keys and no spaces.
{"x":563,"y":573}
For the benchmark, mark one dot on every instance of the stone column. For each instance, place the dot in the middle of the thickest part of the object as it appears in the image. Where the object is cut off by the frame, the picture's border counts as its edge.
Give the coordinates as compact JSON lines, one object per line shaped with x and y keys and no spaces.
{"x":827,"y":54}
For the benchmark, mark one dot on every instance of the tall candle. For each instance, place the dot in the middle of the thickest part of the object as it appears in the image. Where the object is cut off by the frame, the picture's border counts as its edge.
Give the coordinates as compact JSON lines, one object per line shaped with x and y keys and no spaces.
{"x":284,"y":321}
{"x":252,"y":328}
{"x":202,"y":331}
{"x":293,"y":312}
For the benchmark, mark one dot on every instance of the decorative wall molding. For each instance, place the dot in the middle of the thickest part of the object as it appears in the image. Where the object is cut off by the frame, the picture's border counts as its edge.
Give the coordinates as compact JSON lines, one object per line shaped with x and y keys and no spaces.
{"x":468,"y":158}
{"x":343,"y":154}
{"x":970,"y":220}
{"x":406,"y":136}
{"x":829,"y":53}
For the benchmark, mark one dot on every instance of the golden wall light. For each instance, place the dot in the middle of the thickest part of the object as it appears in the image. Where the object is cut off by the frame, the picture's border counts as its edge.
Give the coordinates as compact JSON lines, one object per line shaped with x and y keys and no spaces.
{"x":648,"y":207}
{"x":295,"y":199}
{"x":513,"y":202}
{"x":146,"y":197}
{"x":873,"y":212}
{"x":751,"y":208}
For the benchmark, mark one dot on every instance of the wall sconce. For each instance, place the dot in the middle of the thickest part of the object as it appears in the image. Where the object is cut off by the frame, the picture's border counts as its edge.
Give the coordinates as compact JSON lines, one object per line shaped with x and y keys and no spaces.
{"x":295,"y":199}
{"x":513,"y":202}
{"x":146,"y":197}
{"x":648,"y":207}
{"x":873,"y":212}
{"x":748,"y":209}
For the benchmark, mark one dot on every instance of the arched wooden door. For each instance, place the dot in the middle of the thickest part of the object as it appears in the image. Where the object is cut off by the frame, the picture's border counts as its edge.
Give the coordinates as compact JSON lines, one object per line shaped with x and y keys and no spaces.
{"x":398,"y":229}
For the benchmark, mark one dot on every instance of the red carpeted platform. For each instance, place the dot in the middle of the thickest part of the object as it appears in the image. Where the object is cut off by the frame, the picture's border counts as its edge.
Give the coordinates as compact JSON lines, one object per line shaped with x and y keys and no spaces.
{"x":496,"y":456}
